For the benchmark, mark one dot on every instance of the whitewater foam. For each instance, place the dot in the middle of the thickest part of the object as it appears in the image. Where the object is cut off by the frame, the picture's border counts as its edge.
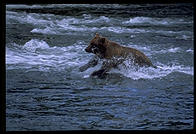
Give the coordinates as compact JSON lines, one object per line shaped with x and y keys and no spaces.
{"x":51,"y":24}
{"x":189,"y":50}
{"x":37,"y":53}
{"x":152,"y":73}
{"x":153,"y":51}
{"x":154,"y":21}
{"x":139,"y":20}
{"x":169,"y":50}
{"x":34,"y":44}
{"x":54,"y":24}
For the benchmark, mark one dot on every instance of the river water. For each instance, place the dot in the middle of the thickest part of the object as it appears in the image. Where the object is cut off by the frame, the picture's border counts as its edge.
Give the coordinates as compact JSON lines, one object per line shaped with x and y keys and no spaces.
{"x":45,"y":48}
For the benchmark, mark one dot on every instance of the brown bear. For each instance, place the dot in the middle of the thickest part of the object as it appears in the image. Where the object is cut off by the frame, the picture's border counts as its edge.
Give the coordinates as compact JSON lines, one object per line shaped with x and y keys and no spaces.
{"x":114,"y":54}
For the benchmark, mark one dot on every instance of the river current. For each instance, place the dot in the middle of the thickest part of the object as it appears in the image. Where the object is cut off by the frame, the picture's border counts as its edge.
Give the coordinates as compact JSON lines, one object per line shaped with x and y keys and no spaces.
{"x":45,"y":48}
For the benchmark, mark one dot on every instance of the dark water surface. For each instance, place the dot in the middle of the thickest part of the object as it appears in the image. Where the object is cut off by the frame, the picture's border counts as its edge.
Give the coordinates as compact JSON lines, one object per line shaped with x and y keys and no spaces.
{"x":45,"y":48}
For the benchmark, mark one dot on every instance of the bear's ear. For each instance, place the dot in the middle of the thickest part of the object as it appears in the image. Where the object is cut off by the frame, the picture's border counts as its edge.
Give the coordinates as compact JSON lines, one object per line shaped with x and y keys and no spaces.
{"x":102,"y":40}
{"x":96,"y":35}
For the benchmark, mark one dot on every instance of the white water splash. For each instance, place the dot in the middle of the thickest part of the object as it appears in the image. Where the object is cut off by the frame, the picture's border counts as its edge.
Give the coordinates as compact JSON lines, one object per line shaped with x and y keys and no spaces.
{"x":130,"y":71}
{"x":150,"y":73}
{"x":34,"y":44}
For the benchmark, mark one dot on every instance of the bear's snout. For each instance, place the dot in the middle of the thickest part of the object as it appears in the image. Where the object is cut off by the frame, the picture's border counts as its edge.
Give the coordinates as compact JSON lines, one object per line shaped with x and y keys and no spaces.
{"x":87,"y":50}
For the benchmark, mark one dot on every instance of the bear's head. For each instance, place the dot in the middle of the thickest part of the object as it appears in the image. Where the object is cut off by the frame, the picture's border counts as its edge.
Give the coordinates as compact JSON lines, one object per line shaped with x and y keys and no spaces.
{"x":97,"y":46}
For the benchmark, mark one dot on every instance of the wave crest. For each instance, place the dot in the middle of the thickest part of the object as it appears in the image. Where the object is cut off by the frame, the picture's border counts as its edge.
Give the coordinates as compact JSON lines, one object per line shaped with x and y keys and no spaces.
{"x":154,"y":21}
{"x":35,"y":44}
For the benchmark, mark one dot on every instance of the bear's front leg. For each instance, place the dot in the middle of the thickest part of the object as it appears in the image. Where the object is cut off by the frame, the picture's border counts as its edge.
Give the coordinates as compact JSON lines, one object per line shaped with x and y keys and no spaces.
{"x":107,"y":65}
{"x":100,"y":73}
{"x":93,"y":62}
